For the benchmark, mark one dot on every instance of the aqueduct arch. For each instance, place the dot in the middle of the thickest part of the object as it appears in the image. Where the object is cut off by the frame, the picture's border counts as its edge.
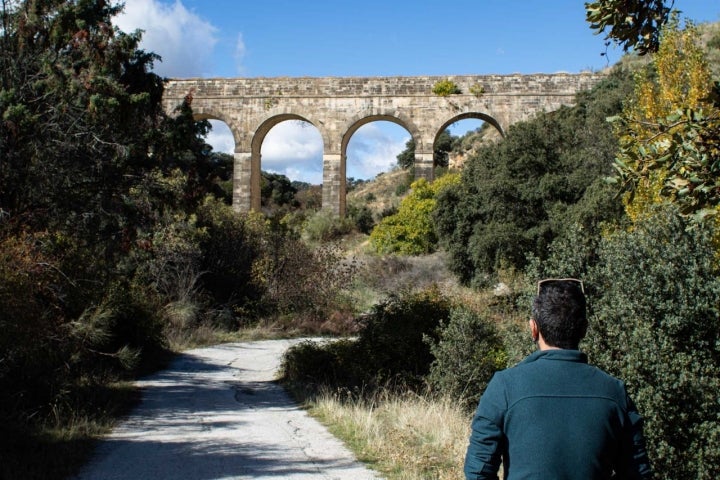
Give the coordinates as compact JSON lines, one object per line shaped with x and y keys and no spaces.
{"x":338,"y":106}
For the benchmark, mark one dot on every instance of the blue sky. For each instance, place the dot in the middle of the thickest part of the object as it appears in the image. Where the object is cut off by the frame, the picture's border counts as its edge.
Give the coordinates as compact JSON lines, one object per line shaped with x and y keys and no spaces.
{"x":267,"y":38}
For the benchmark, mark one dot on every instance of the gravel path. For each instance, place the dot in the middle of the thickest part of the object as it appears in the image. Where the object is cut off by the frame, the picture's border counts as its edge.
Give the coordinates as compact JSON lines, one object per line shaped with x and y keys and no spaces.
{"x":216,"y":414}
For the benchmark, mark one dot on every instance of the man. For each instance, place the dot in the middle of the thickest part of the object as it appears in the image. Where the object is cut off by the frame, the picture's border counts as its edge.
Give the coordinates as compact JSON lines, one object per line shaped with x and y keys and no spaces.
{"x":553,"y":416}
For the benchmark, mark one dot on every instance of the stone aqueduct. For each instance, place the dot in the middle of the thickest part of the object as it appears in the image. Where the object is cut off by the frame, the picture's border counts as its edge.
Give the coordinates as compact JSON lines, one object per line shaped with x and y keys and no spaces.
{"x":338,"y":106}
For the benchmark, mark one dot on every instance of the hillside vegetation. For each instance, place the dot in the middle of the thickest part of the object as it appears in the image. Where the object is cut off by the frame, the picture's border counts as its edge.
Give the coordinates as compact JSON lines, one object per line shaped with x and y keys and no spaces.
{"x":118,"y":248}
{"x":549,"y":201}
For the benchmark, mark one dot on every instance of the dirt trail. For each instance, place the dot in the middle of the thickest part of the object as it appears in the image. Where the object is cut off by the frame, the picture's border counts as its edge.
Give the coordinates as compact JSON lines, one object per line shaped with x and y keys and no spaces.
{"x":216,"y":414}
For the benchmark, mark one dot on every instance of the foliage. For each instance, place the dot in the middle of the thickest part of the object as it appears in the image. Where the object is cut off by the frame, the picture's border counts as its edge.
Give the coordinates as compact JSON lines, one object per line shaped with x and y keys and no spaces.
{"x":361,"y":217}
{"x":319,"y":364}
{"x":634,"y":24}
{"x":515,"y":196}
{"x":653,"y":301}
{"x":466,"y":354}
{"x":670,"y":133}
{"x":655,"y":324}
{"x":309,"y":283}
{"x":276,"y":190}
{"x":230,"y":244}
{"x":92,"y":172}
{"x":402,"y":189}
{"x":392,"y":338}
{"x":324,"y":225}
{"x":445,"y":88}
{"x":411,"y":230}
{"x":478,"y":90}
{"x":32,"y":338}
{"x":391,"y":348}
{"x":309,"y":197}
{"x":444,"y":144}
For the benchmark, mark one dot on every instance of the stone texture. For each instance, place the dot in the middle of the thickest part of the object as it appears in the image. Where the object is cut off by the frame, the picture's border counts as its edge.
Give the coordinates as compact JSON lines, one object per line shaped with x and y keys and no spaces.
{"x":338,"y":106}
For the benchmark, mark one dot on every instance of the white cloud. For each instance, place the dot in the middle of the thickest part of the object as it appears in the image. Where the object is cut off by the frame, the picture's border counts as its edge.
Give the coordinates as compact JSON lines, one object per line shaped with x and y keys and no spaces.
{"x":183,"y":39}
{"x":374,"y":149}
{"x":220,"y":137}
{"x":240,"y":51}
{"x":294,"y":149}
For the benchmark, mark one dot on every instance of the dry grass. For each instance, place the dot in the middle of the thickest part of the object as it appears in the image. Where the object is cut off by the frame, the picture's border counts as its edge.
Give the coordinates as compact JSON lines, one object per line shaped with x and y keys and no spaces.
{"x":404,"y":437}
{"x":380,"y":193}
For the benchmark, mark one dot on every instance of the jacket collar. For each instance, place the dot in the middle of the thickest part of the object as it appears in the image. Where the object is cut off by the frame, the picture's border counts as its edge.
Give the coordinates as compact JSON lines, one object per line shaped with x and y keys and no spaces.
{"x":562,"y":355}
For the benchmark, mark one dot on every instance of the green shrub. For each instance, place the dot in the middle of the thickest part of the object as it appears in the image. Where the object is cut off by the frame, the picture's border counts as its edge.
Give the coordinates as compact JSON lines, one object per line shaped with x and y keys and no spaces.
{"x":517,"y":195}
{"x":445,"y":88}
{"x":653,"y":297}
{"x":655,"y":324}
{"x":477,"y":90}
{"x":393,"y":337}
{"x":391,"y":351}
{"x":388,"y":211}
{"x":467,"y":353}
{"x":32,"y":346}
{"x":324,"y":225}
{"x":171,"y":265}
{"x":402,"y":189}
{"x":230,"y":246}
{"x":128,"y":327}
{"x":309,"y":283}
{"x":362,"y":218}
{"x":411,"y":230}
{"x":315,"y":365}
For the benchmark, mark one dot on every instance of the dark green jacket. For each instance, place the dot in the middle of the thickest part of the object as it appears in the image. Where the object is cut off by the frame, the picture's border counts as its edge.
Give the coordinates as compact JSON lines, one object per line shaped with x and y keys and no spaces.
{"x":554,"y":417}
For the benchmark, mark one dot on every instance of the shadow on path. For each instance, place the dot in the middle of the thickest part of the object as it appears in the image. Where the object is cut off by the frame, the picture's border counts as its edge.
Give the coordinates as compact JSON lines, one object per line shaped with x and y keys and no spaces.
{"x":216,"y":413}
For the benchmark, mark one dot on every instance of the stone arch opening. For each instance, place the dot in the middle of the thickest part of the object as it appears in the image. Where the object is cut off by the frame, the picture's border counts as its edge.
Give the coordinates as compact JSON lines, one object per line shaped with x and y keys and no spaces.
{"x":357,"y":126}
{"x":465,"y":125}
{"x":288,"y":145}
{"x":220,"y":136}
{"x":223,"y":129}
{"x":373,"y":149}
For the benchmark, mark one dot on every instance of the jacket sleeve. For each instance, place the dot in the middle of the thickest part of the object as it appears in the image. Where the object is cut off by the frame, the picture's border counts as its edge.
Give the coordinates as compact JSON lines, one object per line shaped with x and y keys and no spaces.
{"x":634,"y":463}
{"x":484,"y":452}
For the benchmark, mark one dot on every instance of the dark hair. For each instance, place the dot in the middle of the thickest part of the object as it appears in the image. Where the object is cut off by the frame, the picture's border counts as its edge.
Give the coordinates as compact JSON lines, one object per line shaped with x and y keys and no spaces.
{"x":560,"y":313}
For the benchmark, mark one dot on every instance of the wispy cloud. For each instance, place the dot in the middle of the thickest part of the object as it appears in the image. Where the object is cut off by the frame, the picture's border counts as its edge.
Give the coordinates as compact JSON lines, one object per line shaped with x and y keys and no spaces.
{"x":240,"y":51}
{"x":183,"y":39}
{"x":294,"y":149}
{"x":220,"y":137}
{"x":374,"y":148}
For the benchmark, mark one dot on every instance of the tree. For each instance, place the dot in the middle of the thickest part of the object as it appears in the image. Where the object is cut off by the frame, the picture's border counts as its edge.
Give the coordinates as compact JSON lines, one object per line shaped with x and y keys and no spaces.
{"x":516,"y":196}
{"x":634,"y":24}
{"x":90,"y":168}
{"x":670,"y":132}
{"x":655,"y":324}
{"x":85,"y":145}
{"x":277,"y":190}
{"x":653,"y":312}
{"x":441,"y":151}
{"x":411,"y":230}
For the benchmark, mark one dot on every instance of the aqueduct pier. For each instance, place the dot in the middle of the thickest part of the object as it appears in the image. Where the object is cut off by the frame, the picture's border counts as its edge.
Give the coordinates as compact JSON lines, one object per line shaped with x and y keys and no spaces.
{"x":338,"y":106}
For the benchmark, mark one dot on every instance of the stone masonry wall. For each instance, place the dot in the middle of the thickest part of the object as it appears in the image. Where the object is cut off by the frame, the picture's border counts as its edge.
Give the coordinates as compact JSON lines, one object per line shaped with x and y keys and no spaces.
{"x":338,"y":106}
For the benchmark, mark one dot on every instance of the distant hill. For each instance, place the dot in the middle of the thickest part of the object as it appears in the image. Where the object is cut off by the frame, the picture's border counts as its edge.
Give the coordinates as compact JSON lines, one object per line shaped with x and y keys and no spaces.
{"x":381,"y":194}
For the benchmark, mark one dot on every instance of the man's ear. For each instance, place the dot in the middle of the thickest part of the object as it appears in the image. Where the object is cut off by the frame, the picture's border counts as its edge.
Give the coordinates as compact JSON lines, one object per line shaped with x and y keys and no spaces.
{"x":534,"y":330}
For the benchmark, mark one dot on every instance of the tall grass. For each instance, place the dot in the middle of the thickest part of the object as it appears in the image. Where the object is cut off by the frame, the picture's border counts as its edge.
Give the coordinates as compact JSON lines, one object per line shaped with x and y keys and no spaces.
{"x":406,"y":436}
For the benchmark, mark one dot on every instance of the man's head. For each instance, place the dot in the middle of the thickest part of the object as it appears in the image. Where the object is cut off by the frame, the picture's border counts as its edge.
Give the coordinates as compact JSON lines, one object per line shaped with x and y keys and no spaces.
{"x":559,"y":312}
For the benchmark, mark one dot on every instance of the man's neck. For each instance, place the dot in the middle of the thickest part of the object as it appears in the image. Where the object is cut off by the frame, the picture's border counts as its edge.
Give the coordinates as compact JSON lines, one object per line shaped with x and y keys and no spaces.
{"x":544,"y":346}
